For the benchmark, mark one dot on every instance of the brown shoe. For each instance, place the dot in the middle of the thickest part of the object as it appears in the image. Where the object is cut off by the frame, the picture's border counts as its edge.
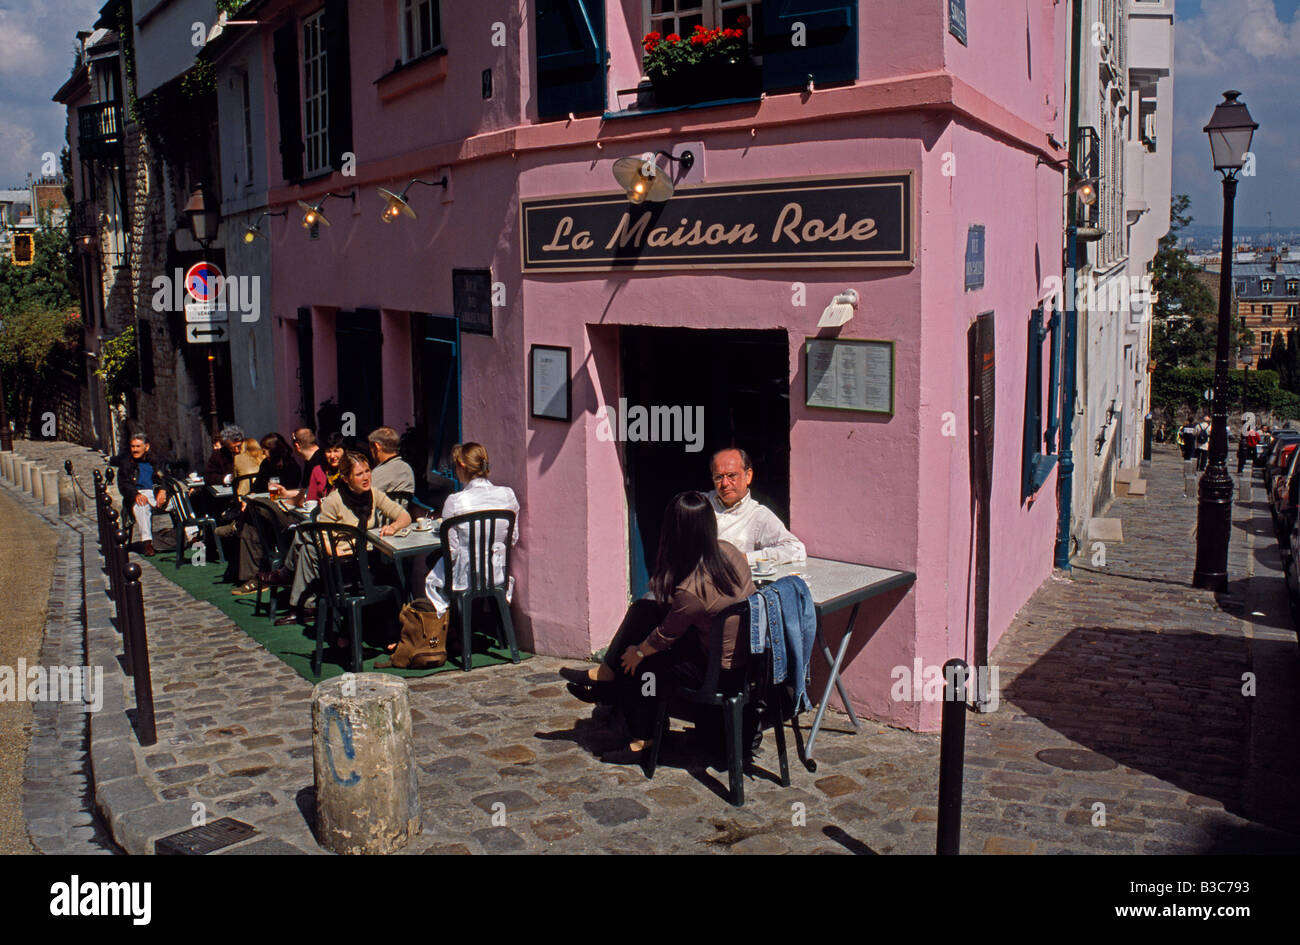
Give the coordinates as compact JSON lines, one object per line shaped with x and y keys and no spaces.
{"x":148,"y":549}
{"x":286,"y":620}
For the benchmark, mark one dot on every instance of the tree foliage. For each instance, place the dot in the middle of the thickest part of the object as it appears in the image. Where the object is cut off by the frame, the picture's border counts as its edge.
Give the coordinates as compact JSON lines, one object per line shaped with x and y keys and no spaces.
{"x":1184,"y":329}
{"x":41,"y":317}
{"x":119,"y":365}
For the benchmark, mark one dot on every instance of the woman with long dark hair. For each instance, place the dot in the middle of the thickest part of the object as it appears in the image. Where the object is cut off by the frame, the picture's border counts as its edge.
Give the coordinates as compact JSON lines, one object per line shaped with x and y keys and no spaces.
{"x":696,"y":577}
{"x":279,"y":463}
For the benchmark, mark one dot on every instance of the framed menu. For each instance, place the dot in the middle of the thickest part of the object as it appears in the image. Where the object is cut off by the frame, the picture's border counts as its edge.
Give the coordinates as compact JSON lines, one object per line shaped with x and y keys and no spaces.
{"x":550,"y":382}
{"x":850,"y":374}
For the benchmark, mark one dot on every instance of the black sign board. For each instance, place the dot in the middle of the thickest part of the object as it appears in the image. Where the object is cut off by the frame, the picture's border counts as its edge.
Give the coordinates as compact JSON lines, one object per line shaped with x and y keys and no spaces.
{"x":975,"y":257}
{"x":864,"y":220}
{"x":471,"y":292}
{"x":957,"y":20}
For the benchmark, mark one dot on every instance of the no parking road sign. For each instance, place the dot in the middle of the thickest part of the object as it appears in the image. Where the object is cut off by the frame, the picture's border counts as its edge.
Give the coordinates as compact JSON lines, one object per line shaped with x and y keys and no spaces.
{"x":203,"y":282}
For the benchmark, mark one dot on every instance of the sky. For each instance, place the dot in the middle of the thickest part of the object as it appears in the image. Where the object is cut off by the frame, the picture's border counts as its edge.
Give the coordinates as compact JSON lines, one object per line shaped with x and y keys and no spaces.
{"x":1252,"y":46}
{"x":1249,"y":45}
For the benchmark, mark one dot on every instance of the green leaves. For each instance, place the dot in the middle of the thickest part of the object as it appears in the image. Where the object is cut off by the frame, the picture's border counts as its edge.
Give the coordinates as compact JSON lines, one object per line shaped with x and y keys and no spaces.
{"x":119,"y":366}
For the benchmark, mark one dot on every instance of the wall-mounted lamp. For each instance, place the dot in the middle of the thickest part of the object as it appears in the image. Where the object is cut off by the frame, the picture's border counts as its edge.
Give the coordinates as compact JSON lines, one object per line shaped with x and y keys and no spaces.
{"x":396,"y":205}
{"x":254,"y":231}
{"x":1083,"y":187}
{"x":312,"y":212}
{"x":204,"y":217}
{"x":223,"y":20}
{"x":841,"y":309}
{"x":641,"y":179}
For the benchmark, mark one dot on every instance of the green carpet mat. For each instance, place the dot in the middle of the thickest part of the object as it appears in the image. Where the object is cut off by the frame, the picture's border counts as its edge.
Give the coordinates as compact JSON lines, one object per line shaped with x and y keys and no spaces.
{"x":295,"y":644}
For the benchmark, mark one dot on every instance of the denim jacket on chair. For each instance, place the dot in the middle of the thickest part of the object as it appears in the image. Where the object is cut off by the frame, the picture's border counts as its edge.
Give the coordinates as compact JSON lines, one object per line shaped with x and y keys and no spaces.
{"x":782,"y":614}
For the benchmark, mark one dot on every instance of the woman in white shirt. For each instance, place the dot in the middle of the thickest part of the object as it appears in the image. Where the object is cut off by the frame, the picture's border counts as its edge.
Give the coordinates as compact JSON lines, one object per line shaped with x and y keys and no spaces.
{"x":478,"y":494}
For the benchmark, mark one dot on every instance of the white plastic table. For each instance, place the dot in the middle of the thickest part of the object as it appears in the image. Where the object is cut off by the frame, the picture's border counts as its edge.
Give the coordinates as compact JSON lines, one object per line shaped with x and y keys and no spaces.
{"x":834,"y":586}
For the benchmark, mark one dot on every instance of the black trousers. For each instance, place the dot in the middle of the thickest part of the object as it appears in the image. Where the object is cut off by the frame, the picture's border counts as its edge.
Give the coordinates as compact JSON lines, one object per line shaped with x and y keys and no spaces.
{"x":656,"y":676}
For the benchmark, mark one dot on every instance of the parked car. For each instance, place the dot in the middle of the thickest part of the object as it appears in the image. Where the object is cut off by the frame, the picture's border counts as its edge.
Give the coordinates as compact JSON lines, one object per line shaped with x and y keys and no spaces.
{"x":1278,"y":456}
{"x":1291,"y":565}
{"x":1282,"y":498}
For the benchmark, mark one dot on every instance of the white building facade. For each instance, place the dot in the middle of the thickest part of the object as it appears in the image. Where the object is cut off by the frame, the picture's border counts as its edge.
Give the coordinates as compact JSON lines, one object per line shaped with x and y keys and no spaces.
{"x":1125,"y":117}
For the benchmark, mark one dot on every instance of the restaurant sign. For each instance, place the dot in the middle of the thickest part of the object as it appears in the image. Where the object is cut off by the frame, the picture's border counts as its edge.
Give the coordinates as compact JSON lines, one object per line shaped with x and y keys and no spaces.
{"x":863,"y":220}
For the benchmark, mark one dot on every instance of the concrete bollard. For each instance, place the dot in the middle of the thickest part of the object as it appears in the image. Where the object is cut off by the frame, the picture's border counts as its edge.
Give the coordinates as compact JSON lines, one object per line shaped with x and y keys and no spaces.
{"x":50,"y":487}
{"x":37,"y":490}
{"x":25,"y":475}
{"x":67,"y":498}
{"x":6,"y":465}
{"x":366,"y":795}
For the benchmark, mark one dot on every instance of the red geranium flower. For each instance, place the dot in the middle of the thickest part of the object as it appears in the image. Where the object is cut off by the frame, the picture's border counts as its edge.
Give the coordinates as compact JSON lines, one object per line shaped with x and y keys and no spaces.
{"x":650,"y":36}
{"x":743,"y":20}
{"x":672,"y":38}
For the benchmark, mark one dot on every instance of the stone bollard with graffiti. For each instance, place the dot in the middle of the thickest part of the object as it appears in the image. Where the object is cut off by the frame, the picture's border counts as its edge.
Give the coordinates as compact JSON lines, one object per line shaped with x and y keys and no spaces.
{"x":366,"y":795}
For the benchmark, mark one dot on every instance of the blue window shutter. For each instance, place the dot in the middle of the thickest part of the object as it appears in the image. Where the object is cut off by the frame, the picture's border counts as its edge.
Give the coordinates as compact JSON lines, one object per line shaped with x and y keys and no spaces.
{"x":570,"y":57}
{"x":1036,"y":464}
{"x":829,"y":29}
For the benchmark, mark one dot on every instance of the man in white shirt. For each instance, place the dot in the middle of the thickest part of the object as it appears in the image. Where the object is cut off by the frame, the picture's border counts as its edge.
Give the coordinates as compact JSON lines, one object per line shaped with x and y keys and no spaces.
{"x":751,"y":527}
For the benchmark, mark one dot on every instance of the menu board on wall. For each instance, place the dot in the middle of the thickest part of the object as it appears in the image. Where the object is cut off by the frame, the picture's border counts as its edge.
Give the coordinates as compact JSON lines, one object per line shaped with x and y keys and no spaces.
{"x":850,"y":374}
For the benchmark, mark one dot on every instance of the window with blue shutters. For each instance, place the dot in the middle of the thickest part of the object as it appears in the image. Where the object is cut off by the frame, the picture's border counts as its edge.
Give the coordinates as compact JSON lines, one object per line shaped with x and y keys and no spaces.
{"x":809,"y":39}
{"x":1040,"y":440}
{"x":570,"y":57}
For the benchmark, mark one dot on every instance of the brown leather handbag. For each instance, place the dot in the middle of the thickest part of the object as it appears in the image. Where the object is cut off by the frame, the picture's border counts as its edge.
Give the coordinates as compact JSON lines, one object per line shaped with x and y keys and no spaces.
{"x":424,"y":637}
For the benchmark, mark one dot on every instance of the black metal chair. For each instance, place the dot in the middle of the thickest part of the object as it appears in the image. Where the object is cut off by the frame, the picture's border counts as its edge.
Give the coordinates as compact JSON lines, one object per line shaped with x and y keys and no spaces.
{"x":274,"y":539}
{"x":484,"y":529}
{"x":407,"y":500}
{"x":756,"y":682}
{"x":239,"y":481}
{"x":183,"y":515}
{"x":341,"y":554}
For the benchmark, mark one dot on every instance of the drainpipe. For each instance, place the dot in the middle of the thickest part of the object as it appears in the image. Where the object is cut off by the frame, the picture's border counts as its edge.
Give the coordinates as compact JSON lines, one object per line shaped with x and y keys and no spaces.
{"x":1065,"y":478}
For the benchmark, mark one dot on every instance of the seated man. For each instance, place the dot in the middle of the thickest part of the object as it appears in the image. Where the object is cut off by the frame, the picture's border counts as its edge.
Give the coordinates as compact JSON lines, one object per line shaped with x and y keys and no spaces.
{"x":751,"y":527}
{"x":141,"y":485}
{"x":222,"y":461}
{"x":309,"y":452}
{"x":391,"y":473}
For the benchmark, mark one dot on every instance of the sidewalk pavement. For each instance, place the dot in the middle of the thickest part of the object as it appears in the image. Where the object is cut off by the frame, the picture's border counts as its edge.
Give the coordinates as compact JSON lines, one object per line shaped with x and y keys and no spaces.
{"x":1122,"y":728}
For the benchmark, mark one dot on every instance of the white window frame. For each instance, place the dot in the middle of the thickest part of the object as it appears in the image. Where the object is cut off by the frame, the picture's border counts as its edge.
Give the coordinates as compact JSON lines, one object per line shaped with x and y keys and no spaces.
{"x":414,"y":47}
{"x":315,"y":95}
{"x":1266,"y":286}
{"x":711,"y":12}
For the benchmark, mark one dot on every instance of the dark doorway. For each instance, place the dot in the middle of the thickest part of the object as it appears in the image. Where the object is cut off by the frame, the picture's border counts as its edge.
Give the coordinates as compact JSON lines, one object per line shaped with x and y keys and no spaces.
{"x":435,"y":385}
{"x":742,"y":380}
{"x":359,"y":344}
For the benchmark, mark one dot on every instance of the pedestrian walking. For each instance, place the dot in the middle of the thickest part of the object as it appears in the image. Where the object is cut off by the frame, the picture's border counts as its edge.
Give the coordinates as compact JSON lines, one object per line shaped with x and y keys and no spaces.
{"x":1187,"y":438}
{"x":1203,"y":444}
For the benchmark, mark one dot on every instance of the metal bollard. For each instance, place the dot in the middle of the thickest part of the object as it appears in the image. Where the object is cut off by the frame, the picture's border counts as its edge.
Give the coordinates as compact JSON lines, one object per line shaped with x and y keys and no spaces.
{"x":110,"y":551}
{"x":119,"y":566}
{"x":952,"y":751}
{"x":137,"y":643}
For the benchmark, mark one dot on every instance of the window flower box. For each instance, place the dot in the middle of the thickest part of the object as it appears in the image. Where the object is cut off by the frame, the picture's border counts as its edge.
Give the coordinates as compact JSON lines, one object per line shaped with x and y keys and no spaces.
{"x":709,"y":65}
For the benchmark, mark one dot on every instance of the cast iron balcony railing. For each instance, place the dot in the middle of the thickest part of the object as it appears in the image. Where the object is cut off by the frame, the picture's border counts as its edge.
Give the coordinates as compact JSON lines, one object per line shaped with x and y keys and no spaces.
{"x":100,"y":130}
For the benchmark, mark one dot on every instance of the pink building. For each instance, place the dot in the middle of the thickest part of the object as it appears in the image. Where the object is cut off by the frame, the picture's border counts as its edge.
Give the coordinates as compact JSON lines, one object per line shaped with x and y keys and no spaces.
{"x":870,"y":178}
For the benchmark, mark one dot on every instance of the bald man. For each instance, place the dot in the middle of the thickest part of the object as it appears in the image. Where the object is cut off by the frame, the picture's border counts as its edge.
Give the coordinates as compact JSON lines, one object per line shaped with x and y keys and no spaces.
{"x":742,"y":522}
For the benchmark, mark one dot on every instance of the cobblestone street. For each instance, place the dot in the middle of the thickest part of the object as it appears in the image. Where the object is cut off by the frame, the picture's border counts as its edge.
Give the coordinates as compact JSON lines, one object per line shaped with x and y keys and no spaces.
{"x":1122,"y":727}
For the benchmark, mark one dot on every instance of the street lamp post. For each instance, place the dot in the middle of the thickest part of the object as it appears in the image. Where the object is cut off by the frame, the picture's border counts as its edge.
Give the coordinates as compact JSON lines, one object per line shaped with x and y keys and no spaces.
{"x":1230,"y":130}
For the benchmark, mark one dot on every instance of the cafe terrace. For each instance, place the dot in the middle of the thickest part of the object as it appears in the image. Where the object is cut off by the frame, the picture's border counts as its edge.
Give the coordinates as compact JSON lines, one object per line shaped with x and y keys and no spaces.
{"x":530,"y":292}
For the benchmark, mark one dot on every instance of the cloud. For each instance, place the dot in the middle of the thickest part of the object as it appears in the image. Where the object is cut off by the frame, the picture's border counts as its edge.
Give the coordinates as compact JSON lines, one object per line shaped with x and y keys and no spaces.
{"x":20,"y":143}
{"x":1228,"y":34}
{"x":21,"y":53}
